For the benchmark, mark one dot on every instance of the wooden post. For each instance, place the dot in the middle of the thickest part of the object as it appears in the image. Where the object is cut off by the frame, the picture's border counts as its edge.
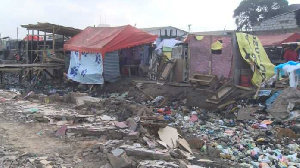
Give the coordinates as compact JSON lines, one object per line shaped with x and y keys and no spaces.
{"x":44,"y":40}
{"x":27,"y":43}
{"x":31,"y":46}
{"x":38,"y":40}
{"x":236,"y":64}
{"x":1,"y":77}
{"x":53,"y":36}
{"x":37,"y":43}
{"x":210,"y":55}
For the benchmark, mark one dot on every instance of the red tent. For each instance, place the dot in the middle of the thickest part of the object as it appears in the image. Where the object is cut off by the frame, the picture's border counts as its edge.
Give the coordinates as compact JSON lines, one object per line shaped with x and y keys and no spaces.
{"x":106,"y":39}
{"x":35,"y":38}
{"x":277,"y":40}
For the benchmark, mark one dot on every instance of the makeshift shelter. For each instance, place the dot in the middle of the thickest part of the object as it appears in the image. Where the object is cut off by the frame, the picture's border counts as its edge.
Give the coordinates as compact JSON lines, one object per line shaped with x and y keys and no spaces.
{"x":95,"y":41}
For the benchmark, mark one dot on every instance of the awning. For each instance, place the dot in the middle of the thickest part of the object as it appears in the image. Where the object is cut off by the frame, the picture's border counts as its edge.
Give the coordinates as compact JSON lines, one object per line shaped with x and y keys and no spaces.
{"x":106,"y":39}
{"x":277,"y":40}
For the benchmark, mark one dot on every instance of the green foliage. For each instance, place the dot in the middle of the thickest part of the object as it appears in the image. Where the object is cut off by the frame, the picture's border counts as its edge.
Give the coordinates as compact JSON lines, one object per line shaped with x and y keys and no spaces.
{"x":251,"y":12}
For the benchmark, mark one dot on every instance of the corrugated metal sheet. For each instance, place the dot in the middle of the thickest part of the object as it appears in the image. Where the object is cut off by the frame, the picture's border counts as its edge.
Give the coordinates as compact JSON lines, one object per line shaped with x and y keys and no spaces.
{"x":111,"y":67}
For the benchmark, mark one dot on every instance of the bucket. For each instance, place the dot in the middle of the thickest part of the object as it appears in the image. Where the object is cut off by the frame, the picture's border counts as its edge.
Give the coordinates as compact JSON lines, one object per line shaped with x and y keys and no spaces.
{"x":246,"y":80}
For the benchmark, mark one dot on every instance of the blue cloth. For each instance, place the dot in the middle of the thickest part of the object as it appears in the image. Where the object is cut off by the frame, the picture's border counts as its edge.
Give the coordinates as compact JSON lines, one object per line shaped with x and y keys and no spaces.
{"x":87,"y":70}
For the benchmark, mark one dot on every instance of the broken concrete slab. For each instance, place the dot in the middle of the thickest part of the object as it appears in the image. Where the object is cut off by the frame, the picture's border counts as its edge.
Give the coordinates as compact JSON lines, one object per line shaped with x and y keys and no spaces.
{"x":144,"y":153}
{"x":246,"y":113}
{"x":279,"y":109}
{"x":169,"y":135}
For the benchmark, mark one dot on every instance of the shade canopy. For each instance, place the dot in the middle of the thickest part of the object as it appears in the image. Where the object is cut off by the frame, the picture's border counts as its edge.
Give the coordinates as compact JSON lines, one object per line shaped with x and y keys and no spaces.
{"x":277,"y":40}
{"x":107,"y":39}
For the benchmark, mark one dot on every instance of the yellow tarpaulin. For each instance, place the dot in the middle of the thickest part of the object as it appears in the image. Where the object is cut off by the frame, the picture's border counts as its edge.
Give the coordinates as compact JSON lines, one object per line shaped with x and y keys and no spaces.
{"x":216,"y":45}
{"x":254,"y":53}
{"x":199,"y":38}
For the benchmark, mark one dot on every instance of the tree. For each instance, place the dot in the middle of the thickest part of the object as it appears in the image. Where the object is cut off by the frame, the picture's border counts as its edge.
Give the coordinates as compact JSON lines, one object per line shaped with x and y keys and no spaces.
{"x":251,"y":12}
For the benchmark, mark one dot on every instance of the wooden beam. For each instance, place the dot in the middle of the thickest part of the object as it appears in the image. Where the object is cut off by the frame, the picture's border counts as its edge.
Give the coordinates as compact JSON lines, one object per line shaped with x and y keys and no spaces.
{"x":48,"y":73}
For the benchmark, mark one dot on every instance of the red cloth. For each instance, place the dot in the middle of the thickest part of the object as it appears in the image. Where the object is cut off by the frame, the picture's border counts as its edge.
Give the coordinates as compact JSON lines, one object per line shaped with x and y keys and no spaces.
{"x":290,"y":55}
{"x":106,"y":39}
{"x":35,"y":38}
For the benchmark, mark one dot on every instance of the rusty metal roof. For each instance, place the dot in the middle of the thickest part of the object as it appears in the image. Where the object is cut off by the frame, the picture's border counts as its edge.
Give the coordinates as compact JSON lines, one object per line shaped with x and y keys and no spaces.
{"x":49,"y":28}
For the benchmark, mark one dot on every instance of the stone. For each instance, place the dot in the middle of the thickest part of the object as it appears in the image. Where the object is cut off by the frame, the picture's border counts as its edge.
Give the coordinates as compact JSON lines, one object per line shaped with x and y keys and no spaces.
{"x":117,"y":152}
{"x":62,"y":131}
{"x":121,"y":125}
{"x":132,"y":136}
{"x":131,"y":124}
{"x":107,"y":165}
{"x":119,"y":162}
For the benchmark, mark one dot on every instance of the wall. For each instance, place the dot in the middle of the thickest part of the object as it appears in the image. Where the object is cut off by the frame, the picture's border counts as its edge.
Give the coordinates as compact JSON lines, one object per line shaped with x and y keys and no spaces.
{"x":283,"y":21}
{"x":199,"y":56}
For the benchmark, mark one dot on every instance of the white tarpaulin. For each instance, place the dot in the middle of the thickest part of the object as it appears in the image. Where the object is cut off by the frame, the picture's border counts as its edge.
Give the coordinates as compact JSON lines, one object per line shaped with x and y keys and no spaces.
{"x":170,"y":43}
{"x":86,"y":68}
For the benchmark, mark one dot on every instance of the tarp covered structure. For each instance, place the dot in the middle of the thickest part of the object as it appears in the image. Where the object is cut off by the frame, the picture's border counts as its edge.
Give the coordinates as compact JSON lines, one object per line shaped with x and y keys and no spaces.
{"x":106,"y":39}
{"x":277,"y":40}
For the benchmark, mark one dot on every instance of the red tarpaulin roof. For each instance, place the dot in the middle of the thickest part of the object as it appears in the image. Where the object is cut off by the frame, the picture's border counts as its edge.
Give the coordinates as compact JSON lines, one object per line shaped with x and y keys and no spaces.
{"x":277,"y":40}
{"x":106,"y":39}
{"x":35,"y":38}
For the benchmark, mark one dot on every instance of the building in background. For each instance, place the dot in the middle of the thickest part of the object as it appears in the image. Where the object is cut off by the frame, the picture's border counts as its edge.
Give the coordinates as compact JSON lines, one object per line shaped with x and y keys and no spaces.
{"x":166,"y":32}
{"x":284,"y":23}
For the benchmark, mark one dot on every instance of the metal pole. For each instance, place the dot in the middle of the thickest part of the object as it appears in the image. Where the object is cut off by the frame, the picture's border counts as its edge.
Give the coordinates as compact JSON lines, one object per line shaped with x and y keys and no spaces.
{"x":17,"y":33}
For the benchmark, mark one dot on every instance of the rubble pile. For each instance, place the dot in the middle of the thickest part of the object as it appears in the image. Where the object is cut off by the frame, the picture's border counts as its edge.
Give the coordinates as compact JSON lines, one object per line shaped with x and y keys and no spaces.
{"x":159,"y":133}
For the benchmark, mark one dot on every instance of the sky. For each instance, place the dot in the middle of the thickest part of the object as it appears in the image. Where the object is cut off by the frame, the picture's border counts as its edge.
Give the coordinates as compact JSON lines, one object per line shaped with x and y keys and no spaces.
{"x":203,"y":15}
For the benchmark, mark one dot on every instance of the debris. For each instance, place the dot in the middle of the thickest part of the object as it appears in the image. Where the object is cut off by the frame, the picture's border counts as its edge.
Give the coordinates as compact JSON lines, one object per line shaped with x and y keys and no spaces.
{"x":122,"y":161}
{"x":117,"y":152}
{"x":121,"y":125}
{"x":62,"y":131}
{"x":246,"y":113}
{"x":279,"y":109}
{"x":169,"y":135}
{"x":107,"y":118}
{"x":145,"y":153}
{"x":182,"y":142}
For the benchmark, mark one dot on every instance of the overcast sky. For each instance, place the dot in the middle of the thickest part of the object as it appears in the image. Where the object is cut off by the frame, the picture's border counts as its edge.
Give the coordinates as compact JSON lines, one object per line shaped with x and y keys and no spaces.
{"x":203,"y":15}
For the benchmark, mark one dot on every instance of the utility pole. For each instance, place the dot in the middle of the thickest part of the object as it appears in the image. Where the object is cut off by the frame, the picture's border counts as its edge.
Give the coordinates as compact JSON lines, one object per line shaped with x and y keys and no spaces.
{"x":189,"y":27}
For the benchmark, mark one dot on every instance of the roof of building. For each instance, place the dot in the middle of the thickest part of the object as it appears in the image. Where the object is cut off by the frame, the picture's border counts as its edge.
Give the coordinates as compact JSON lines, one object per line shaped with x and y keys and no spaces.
{"x":107,"y":39}
{"x":147,"y":29}
{"x":293,"y":7}
{"x":277,"y":40}
{"x":49,"y":28}
{"x":214,"y":33}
